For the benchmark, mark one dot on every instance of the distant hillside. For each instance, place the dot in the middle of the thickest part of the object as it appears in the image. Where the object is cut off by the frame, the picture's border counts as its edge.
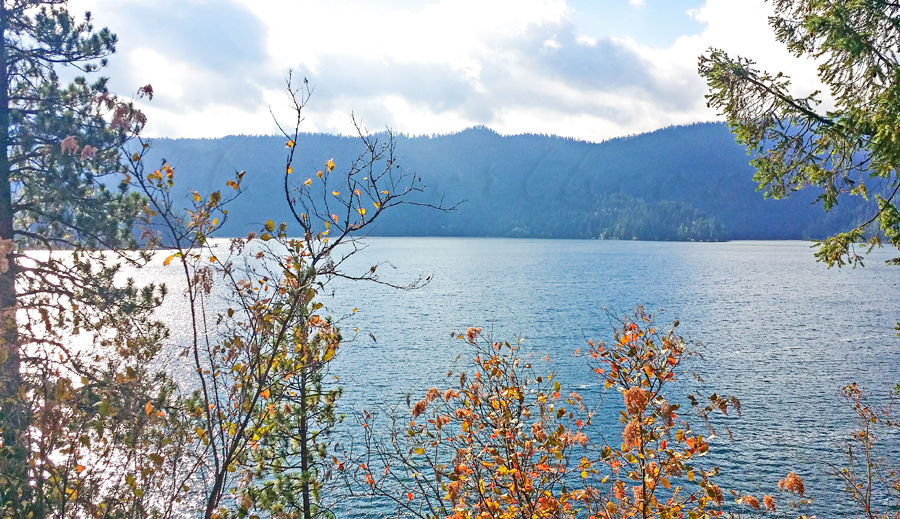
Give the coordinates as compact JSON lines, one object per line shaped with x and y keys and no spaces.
{"x":681,"y":183}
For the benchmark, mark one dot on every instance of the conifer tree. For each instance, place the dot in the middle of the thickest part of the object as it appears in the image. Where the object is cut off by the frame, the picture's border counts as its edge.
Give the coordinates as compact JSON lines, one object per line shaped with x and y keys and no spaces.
{"x":62,"y":187}
{"x":853,"y":149}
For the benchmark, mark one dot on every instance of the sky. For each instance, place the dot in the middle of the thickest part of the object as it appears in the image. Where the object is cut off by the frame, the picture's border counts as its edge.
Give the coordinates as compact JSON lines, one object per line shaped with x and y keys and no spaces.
{"x":587,"y":69}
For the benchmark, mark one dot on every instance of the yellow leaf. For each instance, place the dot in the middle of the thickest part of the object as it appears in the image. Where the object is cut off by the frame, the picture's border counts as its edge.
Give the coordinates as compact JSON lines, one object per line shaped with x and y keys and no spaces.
{"x":270,"y":226}
{"x":385,"y":193}
{"x":290,"y":143}
{"x":197,"y":196}
{"x":361,"y":211}
{"x":329,"y":354}
{"x":308,"y":182}
{"x":377,"y":205}
{"x":319,"y":174}
{"x":168,"y":260}
{"x":213,"y":259}
{"x":335,"y":193}
{"x":290,"y":170}
{"x":330,"y":165}
{"x":665,"y":482}
{"x":135,"y":157}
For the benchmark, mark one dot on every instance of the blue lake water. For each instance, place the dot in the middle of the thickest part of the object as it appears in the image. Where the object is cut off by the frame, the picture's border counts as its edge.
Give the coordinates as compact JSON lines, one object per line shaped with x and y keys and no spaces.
{"x":779,"y":331}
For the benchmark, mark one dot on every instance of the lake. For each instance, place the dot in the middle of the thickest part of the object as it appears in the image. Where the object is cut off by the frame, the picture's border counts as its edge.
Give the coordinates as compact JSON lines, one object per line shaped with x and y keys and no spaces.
{"x":779,"y":331}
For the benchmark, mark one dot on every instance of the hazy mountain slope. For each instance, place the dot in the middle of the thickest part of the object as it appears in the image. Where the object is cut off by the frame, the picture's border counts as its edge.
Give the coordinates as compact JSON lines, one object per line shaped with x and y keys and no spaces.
{"x":689,"y":182}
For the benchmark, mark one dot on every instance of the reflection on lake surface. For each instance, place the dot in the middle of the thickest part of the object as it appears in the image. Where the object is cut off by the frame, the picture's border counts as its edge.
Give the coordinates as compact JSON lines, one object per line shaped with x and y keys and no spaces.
{"x":780,"y":332}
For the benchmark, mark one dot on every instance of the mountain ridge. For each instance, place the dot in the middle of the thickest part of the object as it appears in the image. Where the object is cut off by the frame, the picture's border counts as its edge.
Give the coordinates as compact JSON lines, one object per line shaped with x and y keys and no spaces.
{"x":689,"y":182}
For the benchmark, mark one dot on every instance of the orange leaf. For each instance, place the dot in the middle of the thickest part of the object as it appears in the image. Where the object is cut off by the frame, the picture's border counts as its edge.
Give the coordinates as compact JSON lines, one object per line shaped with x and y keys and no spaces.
{"x":265,"y":393}
{"x":148,"y":408}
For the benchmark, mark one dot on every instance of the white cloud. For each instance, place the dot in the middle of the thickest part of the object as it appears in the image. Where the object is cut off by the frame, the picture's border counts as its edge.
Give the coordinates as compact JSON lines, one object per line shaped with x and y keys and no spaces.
{"x":513,"y":65}
{"x":551,"y":44}
{"x":741,"y":29}
{"x":636,"y":2}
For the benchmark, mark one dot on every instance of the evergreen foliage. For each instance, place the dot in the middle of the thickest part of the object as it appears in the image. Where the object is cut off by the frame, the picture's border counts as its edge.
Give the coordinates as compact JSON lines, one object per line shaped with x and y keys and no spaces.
{"x":852,"y":150}
{"x":75,"y":342}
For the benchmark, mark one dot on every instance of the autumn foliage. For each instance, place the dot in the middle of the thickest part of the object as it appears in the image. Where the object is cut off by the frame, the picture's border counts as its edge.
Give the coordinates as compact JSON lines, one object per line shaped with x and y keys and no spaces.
{"x":508,"y":441}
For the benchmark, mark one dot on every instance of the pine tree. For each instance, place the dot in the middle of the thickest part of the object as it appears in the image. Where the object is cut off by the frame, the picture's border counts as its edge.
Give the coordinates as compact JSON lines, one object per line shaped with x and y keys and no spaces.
{"x":63,"y":187}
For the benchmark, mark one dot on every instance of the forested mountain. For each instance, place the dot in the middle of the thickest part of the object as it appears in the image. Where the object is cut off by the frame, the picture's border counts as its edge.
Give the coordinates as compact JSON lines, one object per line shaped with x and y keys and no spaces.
{"x":680,"y":183}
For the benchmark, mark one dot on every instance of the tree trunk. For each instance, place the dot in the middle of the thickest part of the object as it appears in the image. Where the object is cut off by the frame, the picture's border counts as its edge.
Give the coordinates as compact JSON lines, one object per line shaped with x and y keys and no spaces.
{"x":304,"y":446}
{"x":14,"y":419}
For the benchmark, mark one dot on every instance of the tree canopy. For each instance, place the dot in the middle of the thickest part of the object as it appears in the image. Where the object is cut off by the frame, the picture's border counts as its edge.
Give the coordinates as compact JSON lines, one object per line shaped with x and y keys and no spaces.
{"x":852,"y":149}
{"x":63,"y":186}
